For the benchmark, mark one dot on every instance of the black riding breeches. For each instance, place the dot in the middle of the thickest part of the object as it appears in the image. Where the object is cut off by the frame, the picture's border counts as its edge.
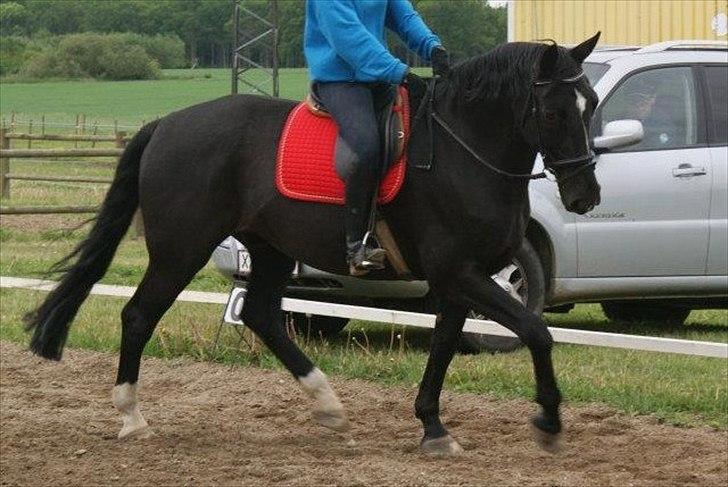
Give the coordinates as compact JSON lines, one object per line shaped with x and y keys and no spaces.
{"x":355,"y":108}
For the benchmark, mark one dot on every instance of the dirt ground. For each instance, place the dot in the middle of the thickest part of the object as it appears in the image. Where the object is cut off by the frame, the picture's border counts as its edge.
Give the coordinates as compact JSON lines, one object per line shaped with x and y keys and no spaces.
{"x":220,"y":425}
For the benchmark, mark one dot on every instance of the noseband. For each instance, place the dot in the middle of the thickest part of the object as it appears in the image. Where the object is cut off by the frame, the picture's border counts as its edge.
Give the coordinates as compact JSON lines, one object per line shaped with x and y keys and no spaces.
{"x":579,"y":164}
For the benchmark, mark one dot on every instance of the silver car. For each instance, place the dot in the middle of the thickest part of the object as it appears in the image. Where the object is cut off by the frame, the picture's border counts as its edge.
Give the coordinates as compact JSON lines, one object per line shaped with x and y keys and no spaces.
{"x":657,"y":245}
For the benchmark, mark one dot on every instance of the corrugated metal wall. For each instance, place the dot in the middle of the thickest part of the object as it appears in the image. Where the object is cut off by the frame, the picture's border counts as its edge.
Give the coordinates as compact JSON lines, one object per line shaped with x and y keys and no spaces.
{"x":637,"y":22}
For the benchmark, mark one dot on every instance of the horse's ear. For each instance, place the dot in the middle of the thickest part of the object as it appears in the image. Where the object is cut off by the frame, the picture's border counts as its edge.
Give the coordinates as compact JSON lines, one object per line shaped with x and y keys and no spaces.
{"x":547,"y":64}
{"x":580,"y":52}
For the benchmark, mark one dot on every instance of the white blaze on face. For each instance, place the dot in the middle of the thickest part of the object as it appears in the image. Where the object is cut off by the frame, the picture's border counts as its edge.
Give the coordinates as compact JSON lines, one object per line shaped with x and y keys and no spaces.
{"x":125,"y":400}
{"x":581,"y":106}
{"x":580,"y":102}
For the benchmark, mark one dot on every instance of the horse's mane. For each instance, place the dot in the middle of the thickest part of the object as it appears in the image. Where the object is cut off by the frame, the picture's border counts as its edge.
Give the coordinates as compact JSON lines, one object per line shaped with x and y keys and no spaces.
{"x":503,"y":74}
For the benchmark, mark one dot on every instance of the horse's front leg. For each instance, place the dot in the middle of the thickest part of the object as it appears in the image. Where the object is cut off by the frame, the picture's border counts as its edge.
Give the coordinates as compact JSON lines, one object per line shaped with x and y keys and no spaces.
{"x":445,"y":338}
{"x":488,"y":298}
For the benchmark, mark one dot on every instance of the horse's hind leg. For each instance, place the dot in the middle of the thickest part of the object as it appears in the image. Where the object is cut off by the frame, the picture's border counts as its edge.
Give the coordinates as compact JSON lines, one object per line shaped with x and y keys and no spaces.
{"x":171,"y":267}
{"x":262,"y":314}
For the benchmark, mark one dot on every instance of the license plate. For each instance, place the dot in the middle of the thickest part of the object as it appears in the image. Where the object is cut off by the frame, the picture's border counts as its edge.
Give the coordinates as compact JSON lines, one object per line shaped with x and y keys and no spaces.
{"x":235,"y":306}
{"x":243,"y":261}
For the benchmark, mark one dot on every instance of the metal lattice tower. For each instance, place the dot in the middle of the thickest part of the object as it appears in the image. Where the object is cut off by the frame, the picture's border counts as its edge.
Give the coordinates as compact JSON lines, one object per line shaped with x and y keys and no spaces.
{"x":262,"y":32}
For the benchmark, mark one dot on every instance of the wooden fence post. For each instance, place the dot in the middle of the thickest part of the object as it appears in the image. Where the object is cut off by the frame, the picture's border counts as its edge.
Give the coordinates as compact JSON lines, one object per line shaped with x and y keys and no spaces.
{"x":137,"y":222}
{"x":30,"y":131}
{"x":96,"y":128}
{"x":4,"y":166}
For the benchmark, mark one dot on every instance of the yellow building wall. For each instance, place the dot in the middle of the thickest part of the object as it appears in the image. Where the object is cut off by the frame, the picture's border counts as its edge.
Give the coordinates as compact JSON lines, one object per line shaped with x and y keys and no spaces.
{"x":632,"y":22}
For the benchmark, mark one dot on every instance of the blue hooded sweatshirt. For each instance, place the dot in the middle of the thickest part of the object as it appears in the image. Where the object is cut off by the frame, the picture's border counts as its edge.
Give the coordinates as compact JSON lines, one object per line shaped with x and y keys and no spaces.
{"x":344,"y":39}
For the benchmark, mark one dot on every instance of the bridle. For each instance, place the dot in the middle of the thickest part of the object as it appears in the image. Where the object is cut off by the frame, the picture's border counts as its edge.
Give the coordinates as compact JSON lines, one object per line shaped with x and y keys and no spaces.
{"x":578,"y":164}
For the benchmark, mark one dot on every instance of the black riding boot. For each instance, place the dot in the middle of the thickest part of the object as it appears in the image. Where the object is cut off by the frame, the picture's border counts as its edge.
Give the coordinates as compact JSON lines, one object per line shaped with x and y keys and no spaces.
{"x":362,"y":253}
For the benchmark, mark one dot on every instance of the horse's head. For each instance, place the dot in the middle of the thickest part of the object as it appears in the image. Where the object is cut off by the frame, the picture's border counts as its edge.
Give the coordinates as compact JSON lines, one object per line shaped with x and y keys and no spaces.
{"x":562,"y":106}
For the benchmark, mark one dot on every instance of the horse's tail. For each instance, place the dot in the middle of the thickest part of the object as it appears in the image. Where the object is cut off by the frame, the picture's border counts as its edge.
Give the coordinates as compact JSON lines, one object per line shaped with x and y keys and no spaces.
{"x":52,"y":319}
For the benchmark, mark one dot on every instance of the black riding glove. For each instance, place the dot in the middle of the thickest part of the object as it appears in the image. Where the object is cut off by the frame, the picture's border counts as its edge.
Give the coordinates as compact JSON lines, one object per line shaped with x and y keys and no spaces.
{"x":440,"y":62}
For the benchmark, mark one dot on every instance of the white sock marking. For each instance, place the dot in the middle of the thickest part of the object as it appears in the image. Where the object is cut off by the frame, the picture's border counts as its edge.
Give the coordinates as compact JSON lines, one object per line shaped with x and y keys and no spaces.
{"x":316,"y":385}
{"x":125,"y":400}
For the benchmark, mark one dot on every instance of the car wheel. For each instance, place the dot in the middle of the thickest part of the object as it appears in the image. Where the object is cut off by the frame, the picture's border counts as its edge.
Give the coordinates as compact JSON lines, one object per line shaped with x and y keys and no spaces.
{"x":316,"y":326}
{"x":524,"y":280}
{"x":644,"y":311}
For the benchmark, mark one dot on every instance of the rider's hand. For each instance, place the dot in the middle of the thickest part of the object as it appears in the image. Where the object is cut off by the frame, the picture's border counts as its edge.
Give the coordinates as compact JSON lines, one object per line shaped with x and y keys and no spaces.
{"x":440,"y":62}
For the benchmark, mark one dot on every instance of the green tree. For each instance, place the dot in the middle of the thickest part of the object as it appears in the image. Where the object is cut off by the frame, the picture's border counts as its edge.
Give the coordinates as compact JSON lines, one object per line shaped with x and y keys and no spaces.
{"x":466,"y":27}
{"x":291,"y":18}
{"x":56,"y":17}
{"x":14,"y":19}
{"x":116,"y":16}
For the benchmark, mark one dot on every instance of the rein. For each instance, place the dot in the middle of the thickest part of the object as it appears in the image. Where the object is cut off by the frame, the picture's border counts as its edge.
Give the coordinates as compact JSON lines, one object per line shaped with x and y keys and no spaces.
{"x":427,"y":105}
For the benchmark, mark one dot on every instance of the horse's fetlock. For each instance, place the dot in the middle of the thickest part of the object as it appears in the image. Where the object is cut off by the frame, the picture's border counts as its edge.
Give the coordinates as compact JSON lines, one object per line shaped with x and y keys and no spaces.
{"x":549,"y":400}
{"x":125,"y":396}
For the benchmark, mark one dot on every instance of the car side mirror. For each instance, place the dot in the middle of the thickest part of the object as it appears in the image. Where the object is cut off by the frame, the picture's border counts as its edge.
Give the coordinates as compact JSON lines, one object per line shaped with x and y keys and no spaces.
{"x":618,"y":134}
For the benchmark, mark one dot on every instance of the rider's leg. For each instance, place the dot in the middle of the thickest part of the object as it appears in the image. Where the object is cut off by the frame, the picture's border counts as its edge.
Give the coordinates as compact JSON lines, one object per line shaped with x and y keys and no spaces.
{"x":352,"y":105}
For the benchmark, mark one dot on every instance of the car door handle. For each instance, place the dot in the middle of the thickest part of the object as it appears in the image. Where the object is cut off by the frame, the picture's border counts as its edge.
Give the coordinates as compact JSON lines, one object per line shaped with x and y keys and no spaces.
{"x":688,"y":170}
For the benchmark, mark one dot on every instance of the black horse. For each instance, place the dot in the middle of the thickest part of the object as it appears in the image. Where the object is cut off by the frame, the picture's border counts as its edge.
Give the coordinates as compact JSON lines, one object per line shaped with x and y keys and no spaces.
{"x":207,"y":172}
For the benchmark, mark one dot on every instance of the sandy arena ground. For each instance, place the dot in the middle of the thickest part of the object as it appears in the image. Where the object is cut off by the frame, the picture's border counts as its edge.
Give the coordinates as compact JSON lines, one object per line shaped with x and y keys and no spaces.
{"x":217,"y":425}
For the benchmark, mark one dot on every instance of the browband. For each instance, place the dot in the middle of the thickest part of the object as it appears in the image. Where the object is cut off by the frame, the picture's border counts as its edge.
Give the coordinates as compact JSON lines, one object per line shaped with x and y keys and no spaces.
{"x":573,"y":79}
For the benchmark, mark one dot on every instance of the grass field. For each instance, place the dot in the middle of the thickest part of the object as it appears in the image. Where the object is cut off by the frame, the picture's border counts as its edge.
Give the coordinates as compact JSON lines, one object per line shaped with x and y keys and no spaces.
{"x":678,"y":389}
{"x":129,"y":102}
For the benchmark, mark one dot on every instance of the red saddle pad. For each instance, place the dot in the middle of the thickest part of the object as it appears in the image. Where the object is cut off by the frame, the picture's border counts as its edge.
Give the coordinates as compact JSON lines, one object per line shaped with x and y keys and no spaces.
{"x":305,"y":168}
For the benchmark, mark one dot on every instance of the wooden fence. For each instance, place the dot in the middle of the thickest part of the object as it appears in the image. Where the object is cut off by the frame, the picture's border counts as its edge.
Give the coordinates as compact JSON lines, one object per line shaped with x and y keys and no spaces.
{"x":79,"y":127}
{"x":7,"y":152}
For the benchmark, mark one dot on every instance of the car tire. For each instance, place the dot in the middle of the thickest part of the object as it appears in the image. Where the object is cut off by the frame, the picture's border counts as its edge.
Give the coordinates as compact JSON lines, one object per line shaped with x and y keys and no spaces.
{"x":532,"y":292}
{"x":645,"y":312}
{"x":316,"y":326}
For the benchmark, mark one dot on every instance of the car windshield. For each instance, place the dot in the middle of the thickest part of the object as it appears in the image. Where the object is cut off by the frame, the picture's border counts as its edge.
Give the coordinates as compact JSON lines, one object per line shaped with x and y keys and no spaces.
{"x":594,"y":71}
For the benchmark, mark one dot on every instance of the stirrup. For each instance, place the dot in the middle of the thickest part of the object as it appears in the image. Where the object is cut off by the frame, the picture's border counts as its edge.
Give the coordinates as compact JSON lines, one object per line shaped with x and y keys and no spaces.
{"x":366,"y":257}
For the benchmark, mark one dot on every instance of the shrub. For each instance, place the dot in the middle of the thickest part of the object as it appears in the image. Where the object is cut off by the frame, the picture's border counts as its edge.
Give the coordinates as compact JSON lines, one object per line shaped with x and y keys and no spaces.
{"x":93,"y":55}
{"x":12,"y":55}
{"x":48,"y":64}
{"x":85,"y":50}
{"x":101,"y":56}
{"x":130,"y":63}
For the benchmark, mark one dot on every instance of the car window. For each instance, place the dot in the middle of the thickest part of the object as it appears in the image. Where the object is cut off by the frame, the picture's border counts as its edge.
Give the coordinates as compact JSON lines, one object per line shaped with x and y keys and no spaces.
{"x":664,"y":100}
{"x":594,"y":71}
{"x":717,"y":78}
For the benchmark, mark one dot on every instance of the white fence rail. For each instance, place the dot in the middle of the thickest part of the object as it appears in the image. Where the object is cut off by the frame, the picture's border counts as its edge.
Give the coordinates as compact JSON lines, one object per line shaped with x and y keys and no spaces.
{"x":422,"y":320}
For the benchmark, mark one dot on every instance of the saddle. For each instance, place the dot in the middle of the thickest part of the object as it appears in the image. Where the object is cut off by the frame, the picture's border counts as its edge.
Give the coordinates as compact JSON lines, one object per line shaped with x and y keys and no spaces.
{"x":305,"y":166}
{"x":306,"y":163}
{"x":391,"y":126}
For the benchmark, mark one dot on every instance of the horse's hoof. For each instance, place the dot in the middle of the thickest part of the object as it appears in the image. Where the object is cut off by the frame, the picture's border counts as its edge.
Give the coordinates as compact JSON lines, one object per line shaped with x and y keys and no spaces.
{"x":547,"y":433}
{"x":549,"y":442}
{"x":335,"y":419}
{"x":140,"y":433}
{"x":444,"y":446}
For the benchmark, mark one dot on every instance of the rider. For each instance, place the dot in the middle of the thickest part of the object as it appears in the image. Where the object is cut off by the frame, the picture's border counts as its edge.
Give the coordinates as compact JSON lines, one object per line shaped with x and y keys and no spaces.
{"x":353,"y":75}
